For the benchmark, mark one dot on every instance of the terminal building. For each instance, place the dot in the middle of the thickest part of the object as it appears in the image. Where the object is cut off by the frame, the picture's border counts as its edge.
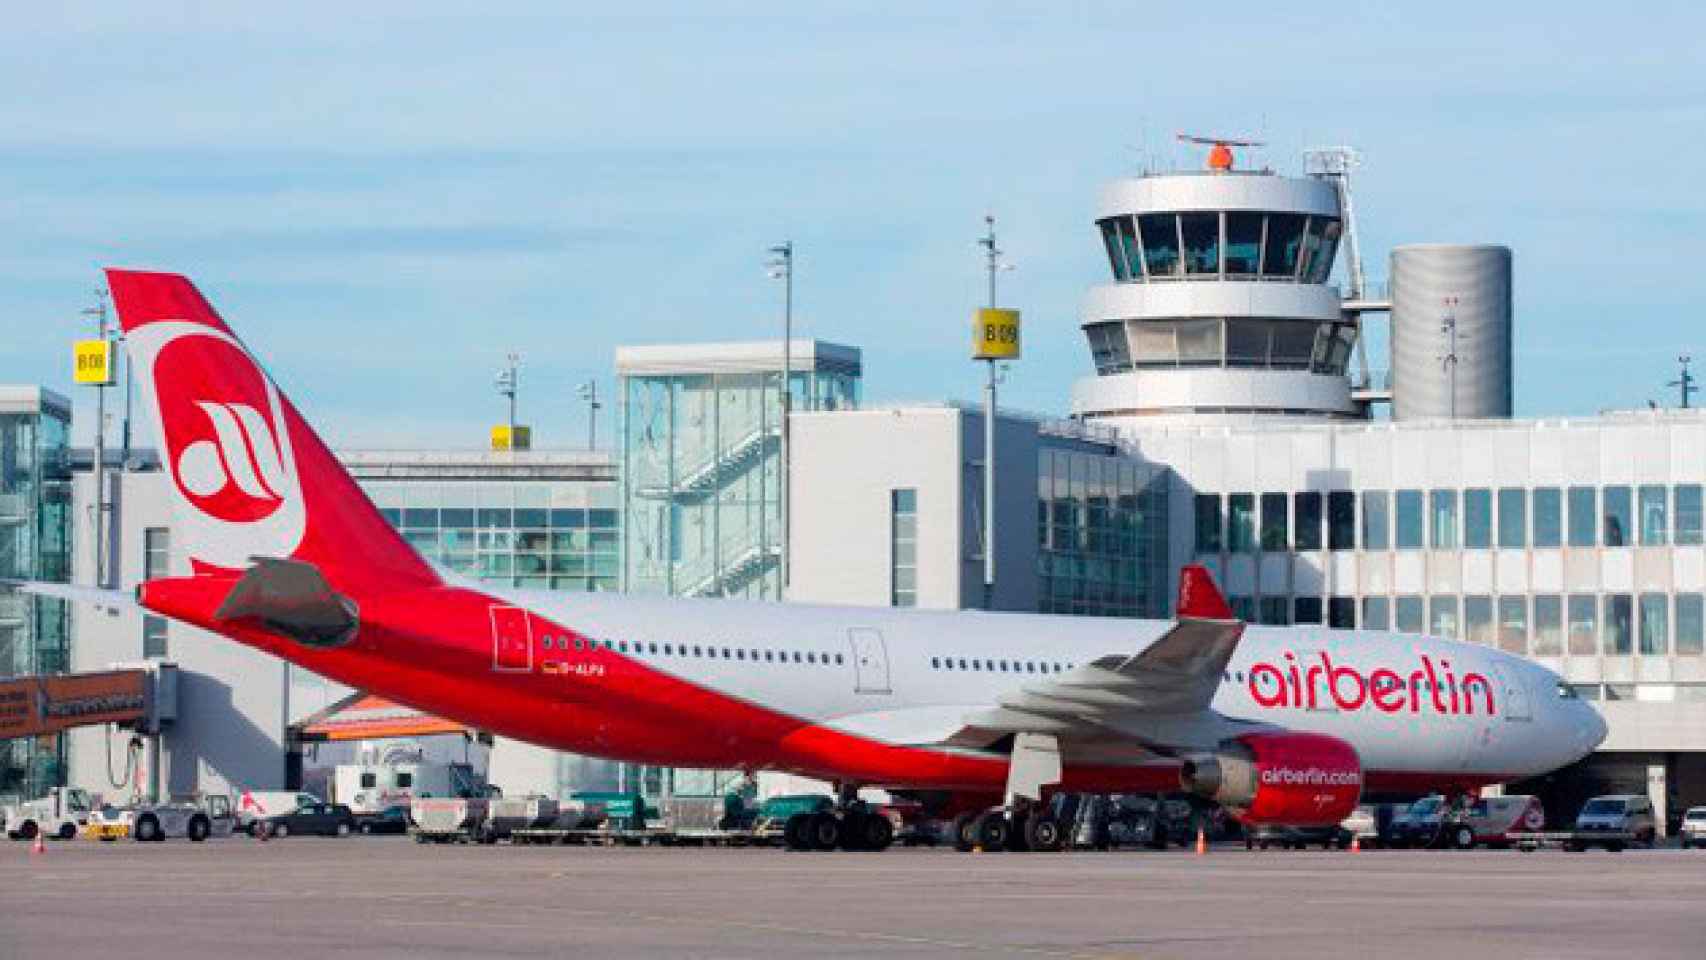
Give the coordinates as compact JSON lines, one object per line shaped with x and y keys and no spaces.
{"x":1229,"y":415}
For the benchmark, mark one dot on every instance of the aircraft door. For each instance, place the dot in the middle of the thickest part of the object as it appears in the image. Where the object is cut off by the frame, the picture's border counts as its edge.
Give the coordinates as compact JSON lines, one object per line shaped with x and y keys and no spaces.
{"x":512,"y":640}
{"x":870,"y":660}
{"x":1512,"y":694}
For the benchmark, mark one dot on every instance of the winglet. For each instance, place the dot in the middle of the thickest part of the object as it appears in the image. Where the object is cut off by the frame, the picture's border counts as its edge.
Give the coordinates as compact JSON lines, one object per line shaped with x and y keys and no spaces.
{"x":1199,"y":598}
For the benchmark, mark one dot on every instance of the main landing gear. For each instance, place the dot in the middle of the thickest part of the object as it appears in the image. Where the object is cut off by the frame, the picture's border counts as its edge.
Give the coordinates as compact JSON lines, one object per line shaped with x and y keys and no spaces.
{"x":1027,"y":827}
{"x":850,"y":826}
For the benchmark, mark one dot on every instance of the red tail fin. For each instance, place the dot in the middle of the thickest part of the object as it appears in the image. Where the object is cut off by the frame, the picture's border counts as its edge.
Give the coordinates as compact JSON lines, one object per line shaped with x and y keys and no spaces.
{"x":249,"y":476}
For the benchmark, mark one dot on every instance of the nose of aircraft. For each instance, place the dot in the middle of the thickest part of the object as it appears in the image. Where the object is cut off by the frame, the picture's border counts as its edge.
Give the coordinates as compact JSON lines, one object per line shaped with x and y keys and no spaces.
{"x":1590,"y":728}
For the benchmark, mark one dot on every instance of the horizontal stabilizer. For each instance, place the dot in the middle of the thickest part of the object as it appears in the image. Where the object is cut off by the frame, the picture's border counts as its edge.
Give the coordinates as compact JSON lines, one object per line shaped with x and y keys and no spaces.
{"x":291,"y":597}
{"x":99,"y":597}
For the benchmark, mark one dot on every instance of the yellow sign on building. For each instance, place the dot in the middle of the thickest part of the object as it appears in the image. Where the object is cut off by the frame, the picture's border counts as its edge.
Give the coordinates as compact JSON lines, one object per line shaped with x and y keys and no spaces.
{"x":92,"y":362}
{"x":520,"y":439}
{"x":995,"y":335}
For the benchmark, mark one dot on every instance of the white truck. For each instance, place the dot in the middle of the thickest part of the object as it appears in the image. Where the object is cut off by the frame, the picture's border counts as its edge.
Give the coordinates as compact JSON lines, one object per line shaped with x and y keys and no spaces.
{"x":59,"y":815}
{"x":392,"y":781}
{"x":190,"y":818}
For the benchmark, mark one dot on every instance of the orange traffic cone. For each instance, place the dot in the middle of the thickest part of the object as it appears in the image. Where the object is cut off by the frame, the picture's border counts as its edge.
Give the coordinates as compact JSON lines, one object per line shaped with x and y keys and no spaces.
{"x":1202,"y":842}
{"x":40,"y":844}
{"x":1356,"y":844}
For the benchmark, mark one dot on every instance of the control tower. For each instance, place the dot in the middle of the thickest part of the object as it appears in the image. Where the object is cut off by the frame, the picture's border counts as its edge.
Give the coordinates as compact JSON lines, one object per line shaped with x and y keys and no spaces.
{"x":1219,"y":308}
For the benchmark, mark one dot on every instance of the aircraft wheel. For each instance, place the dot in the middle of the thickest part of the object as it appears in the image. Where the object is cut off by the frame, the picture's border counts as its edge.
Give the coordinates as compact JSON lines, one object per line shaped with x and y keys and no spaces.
{"x":867,"y":831}
{"x":994,"y":830}
{"x":1044,"y":834}
{"x":824,"y":831}
{"x":794,"y":832}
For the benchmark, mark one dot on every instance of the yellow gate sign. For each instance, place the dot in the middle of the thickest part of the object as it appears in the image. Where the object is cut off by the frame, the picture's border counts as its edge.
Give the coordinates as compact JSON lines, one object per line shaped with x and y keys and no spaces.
{"x":92,"y":362}
{"x":995,"y":335}
{"x":503,"y":439}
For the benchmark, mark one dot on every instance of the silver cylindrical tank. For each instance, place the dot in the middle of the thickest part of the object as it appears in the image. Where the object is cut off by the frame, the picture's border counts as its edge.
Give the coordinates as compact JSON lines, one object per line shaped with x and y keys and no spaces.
{"x":1436,"y":287}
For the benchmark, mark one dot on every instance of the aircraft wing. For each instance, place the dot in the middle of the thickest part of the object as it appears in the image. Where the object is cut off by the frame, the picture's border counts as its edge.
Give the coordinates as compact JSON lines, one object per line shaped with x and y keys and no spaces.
{"x":1156,"y":701}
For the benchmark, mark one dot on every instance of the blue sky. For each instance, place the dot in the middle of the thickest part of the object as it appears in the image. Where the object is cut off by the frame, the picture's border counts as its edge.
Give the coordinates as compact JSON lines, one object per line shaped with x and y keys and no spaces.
{"x":384,"y":198}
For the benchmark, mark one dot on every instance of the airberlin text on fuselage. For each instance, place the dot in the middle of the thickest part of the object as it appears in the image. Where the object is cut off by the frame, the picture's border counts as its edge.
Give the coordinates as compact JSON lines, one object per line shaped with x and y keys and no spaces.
{"x":1430,"y":686}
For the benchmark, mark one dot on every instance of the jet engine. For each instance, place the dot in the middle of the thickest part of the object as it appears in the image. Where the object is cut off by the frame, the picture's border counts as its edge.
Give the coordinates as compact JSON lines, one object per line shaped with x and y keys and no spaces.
{"x":1299,"y":779}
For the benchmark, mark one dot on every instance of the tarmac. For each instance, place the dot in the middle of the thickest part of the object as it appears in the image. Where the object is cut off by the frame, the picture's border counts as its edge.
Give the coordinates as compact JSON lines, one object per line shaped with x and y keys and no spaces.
{"x":389,"y":897}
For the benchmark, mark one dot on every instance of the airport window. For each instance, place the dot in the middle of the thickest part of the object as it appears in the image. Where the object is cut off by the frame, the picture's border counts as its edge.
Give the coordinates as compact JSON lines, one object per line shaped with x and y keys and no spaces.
{"x":1208,"y":522}
{"x":1341,"y":613}
{"x":1548,"y":626}
{"x":1617,"y":624}
{"x":1442,"y":512}
{"x":1201,"y":232}
{"x":1279,"y":252}
{"x":1687,"y":515}
{"x":1654,"y":528}
{"x":1690,"y":624}
{"x":1655,"y":624}
{"x":1513,"y":517}
{"x":1442,"y":617}
{"x":1129,"y":247}
{"x":1513,"y":624}
{"x":1275,"y":611}
{"x":1308,"y":532}
{"x":1321,"y":261}
{"x":1241,"y":522}
{"x":1243,"y":607}
{"x":1306,"y":610}
{"x":1274,"y":511}
{"x":1548,"y":517}
{"x":1478,"y":619}
{"x":154,"y":636}
{"x":1583,"y":517}
{"x":1159,"y":232}
{"x":1616,"y":511}
{"x":1584,"y":625}
{"x":1243,"y":243}
{"x":1375,"y":523}
{"x":405,"y":780}
{"x":1407,"y":614}
{"x":1111,"y":240}
{"x":1375,"y":614}
{"x":1409,"y":532}
{"x":903,"y":548}
{"x":1341,"y":520}
{"x":156,"y":552}
{"x":369,"y":780}
{"x":1478,"y":518}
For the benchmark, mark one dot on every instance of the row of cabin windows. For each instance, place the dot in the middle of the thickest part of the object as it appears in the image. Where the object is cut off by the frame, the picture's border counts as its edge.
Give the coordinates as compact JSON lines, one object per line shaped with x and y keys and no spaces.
{"x":997,"y":666}
{"x":694,"y":650}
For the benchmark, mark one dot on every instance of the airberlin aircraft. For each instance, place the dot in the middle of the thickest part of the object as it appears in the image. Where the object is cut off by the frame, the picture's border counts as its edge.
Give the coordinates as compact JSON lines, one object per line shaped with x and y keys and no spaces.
{"x":989,"y":714}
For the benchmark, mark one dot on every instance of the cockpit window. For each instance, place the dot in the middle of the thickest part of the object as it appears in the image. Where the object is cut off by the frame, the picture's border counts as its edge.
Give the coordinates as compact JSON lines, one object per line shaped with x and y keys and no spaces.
{"x":1565,"y":691}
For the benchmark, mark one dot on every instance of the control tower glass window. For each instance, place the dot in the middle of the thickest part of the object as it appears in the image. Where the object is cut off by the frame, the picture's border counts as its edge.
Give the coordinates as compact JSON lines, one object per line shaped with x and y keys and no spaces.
{"x":1279,"y":252}
{"x":1116,"y":255}
{"x":1243,"y":243}
{"x":1323,"y":243}
{"x":1201,"y":232}
{"x":1160,"y":237}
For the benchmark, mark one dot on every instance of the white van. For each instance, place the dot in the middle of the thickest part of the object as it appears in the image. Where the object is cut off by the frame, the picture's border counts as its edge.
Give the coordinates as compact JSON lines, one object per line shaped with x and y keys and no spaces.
{"x":255,"y":805}
{"x":1613,"y":822}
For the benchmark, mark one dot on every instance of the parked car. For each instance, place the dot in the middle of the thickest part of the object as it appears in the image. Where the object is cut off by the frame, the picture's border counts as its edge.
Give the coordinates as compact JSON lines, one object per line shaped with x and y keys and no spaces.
{"x":1419,"y":825}
{"x":1614,"y":822}
{"x":1694,"y":828}
{"x":1265,"y":835}
{"x":393,"y":819}
{"x":325,"y":819}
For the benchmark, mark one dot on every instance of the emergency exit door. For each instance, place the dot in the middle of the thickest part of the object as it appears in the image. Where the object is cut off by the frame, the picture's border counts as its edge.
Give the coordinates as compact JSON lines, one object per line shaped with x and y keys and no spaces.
{"x":870,"y":660}
{"x":512,"y":639}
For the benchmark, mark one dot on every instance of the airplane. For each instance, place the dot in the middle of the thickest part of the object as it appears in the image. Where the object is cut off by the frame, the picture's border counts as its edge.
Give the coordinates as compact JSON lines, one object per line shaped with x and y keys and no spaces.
{"x":987,"y":714}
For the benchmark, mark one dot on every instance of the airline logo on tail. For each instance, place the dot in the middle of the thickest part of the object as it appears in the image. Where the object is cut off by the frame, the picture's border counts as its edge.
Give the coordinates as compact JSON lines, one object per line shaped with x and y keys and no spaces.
{"x":225,"y":443}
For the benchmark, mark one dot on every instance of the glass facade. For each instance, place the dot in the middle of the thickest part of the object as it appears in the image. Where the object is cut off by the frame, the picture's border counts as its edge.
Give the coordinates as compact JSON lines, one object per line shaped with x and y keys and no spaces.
{"x":1212,"y":245}
{"x":1102,"y":535}
{"x":532,"y":534}
{"x":903,"y":548}
{"x":35,"y":544}
{"x":701,"y":470}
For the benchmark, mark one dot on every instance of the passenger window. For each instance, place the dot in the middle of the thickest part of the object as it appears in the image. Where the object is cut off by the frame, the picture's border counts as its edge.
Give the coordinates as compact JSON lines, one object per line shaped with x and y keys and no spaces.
{"x":935,"y":664}
{"x":838,"y":659}
{"x":811,"y":658}
{"x":545,"y":641}
{"x":622,"y":646}
{"x":962,"y":663}
{"x":769,"y":657}
{"x":652,"y":648}
{"x":740,"y":654}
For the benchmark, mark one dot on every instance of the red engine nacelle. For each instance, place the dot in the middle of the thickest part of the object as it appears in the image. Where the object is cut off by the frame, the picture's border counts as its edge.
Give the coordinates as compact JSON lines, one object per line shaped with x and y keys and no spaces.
{"x":1299,"y":779}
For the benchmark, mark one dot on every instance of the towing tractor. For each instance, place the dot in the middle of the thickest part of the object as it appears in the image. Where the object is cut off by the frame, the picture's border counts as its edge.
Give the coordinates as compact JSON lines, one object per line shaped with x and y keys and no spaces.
{"x":192,"y":819}
{"x":58,"y":815}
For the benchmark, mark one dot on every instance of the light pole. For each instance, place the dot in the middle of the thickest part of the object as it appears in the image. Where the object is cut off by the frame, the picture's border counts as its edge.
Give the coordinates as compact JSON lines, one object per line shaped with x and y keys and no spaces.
{"x":588,"y":391}
{"x":996,"y":338}
{"x":508,"y":382}
{"x":99,"y":312}
{"x":782,"y":268}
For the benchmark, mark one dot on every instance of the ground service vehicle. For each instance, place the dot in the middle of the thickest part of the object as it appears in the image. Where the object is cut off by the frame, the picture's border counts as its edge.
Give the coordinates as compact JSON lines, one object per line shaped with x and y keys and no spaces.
{"x":59,"y":815}
{"x":368,"y":788}
{"x":1277,"y":725}
{"x":325,"y":819}
{"x":1614,"y":822}
{"x":447,"y":819}
{"x":1694,"y":828}
{"x":1495,"y":821}
{"x":192,"y":819}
